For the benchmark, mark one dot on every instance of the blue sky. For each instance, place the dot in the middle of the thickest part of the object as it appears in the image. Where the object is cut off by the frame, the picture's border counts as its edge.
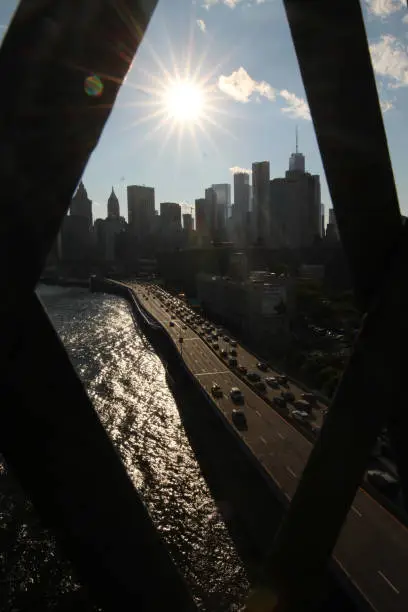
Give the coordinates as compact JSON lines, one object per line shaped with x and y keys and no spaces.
{"x":241,"y":54}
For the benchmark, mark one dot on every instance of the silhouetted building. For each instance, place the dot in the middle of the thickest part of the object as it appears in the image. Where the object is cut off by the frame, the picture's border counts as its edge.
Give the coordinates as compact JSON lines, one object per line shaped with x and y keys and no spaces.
{"x":242,"y":196}
{"x":223,"y":204}
{"x":295,"y":210}
{"x":259,"y":311}
{"x":113,"y":206}
{"x":81,"y":205}
{"x":170,"y":225}
{"x":260,"y":195}
{"x":170,"y":215}
{"x":188,"y":222}
{"x":141,"y":210}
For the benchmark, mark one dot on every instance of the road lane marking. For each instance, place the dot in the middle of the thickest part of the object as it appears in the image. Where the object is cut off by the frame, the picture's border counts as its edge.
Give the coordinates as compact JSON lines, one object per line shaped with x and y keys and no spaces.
{"x":356,"y":511}
{"x":282,"y":437}
{"x":291,"y":472}
{"x":262,"y":439}
{"x":258,"y":413}
{"x":388,"y":581}
{"x":212,"y":373}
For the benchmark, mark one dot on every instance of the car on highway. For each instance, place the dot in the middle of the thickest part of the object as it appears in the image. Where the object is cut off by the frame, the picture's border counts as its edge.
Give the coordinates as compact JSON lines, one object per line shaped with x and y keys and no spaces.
{"x":216,"y":346}
{"x":309,"y":397}
{"x":242,"y":369}
{"x":302,"y":405}
{"x":261,"y":365}
{"x":236,"y":395}
{"x":279,"y":402}
{"x":233,"y":343}
{"x":272,"y":382}
{"x":299,"y":415}
{"x":226,"y":339}
{"x":216,"y":390}
{"x":239,"y":419}
{"x":253,"y":376}
{"x":232,"y":362}
{"x":171,"y":323}
{"x":260,"y":386}
{"x":233,"y":352}
{"x":224,"y":353}
{"x":283,"y":380}
{"x":288,"y":396}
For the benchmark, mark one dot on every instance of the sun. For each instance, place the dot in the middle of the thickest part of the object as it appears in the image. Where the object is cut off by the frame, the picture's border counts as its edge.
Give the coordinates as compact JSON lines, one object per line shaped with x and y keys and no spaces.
{"x":184,"y":101}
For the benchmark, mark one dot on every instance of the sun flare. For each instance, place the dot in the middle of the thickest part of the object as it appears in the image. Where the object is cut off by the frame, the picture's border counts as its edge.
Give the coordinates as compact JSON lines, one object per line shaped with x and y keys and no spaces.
{"x":184,"y":101}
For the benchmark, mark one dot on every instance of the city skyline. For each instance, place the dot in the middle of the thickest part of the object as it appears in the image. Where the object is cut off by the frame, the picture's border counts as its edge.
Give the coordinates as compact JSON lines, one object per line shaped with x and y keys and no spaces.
{"x":253,"y":94}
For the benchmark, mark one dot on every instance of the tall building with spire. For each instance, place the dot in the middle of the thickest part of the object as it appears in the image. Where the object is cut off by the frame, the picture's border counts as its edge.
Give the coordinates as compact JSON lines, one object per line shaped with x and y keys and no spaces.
{"x":113,"y":206}
{"x":81,"y":205}
{"x":297,"y":160}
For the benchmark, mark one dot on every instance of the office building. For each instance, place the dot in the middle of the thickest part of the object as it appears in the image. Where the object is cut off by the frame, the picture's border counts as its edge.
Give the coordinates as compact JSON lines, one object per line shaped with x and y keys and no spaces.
{"x":188,"y":222}
{"x":81,"y":205}
{"x":260,"y":194}
{"x":295,"y":210}
{"x":141,"y":210}
{"x":259,"y":310}
{"x":223,"y":205}
{"x":113,"y":206}
{"x":297,"y":160}
{"x":170,"y":215}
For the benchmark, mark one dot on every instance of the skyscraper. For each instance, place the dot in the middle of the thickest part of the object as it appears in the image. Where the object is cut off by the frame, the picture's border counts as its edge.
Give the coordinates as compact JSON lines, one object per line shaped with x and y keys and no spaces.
{"x":170,"y":215}
{"x":113,"y":206}
{"x":297,"y":160}
{"x":141,"y":210}
{"x":223,"y":205}
{"x":241,"y":194}
{"x":260,"y":194}
{"x":211,"y":212}
{"x":295,"y":210}
{"x":201,"y":217}
{"x":81,"y":205}
{"x":188,"y":224}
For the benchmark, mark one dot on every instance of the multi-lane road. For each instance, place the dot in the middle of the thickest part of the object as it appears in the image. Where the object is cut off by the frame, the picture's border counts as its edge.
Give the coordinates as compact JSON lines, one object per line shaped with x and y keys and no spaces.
{"x":372,"y":549}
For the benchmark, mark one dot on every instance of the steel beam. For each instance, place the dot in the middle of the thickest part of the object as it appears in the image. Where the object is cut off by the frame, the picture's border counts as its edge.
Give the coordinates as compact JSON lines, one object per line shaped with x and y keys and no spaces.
{"x":50,"y":434}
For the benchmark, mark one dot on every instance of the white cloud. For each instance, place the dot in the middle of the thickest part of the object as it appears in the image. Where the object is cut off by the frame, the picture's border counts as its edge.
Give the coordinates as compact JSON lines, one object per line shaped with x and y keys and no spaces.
{"x":230,"y":3}
{"x":390,"y":60}
{"x":296,"y":108}
{"x":201,"y":25}
{"x":383,"y":8}
{"x":240,"y":86}
{"x":405,"y":18}
{"x":386,"y":105}
{"x":236,"y":169}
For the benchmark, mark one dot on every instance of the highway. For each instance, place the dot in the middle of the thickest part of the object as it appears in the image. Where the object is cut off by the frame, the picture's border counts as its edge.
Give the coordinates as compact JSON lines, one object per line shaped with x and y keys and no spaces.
{"x":372,"y":549}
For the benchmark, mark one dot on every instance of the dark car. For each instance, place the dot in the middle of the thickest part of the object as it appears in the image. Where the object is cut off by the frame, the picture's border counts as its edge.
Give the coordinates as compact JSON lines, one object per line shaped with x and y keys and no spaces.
{"x":232,"y":362}
{"x":279,"y":402}
{"x":283,"y":380}
{"x":216,"y":390}
{"x":226,"y":339}
{"x":288,"y":396}
{"x":272,"y":382}
{"x":224,"y":353}
{"x":171,"y":323}
{"x":260,"y":386}
{"x":233,"y":343}
{"x":239,"y":419}
{"x":261,"y":365}
{"x":253,"y":376}
{"x":242,"y":369}
{"x":233,"y":352}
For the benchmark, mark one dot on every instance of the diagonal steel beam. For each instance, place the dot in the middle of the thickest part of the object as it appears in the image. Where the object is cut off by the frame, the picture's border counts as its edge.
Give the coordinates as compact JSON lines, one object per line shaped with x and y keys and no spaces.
{"x":333,"y":55}
{"x":50,"y":435}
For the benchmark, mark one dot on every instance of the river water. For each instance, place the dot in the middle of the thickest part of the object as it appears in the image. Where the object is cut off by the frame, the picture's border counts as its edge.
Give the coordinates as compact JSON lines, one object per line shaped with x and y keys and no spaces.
{"x":126,"y":382}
